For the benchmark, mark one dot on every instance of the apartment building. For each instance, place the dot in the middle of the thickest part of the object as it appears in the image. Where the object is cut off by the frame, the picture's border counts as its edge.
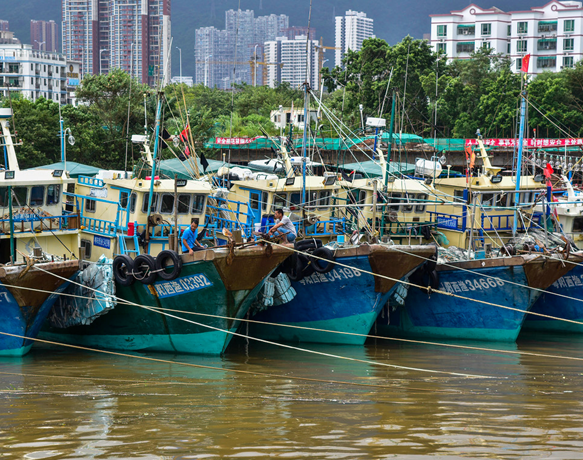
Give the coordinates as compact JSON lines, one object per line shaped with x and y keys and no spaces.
{"x":294,"y":66}
{"x":44,"y":35}
{"x":552,"y":34}
{"x":133,"y":35}
{"x":350,"y":31}
{"x":32,"y":73}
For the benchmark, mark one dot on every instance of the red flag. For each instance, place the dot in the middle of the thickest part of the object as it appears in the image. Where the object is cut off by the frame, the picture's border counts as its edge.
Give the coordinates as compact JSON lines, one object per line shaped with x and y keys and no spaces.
{"x":184,"y":134}
{"x":548,"y":171}
{"x":525,"y":62}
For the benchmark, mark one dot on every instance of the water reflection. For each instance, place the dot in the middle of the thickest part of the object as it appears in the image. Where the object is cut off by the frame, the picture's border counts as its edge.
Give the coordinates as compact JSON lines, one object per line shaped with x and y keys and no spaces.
{"x":73,"y":405}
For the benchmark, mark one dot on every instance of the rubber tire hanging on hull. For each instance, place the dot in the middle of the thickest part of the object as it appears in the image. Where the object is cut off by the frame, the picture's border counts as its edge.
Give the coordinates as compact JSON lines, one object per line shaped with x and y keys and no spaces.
{"x":176,"y":262}
{"x":147,"y":275}
{"x":123,"y":267}
{"x":322,"y":266}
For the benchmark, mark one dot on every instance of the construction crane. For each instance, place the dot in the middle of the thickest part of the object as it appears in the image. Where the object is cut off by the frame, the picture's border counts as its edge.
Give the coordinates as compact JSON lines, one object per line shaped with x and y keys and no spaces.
{"x":254,"y":63}
{"x":324,"y":48}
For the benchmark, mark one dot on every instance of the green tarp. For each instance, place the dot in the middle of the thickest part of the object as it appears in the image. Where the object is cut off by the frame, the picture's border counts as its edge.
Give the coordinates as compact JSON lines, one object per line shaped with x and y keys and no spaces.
{"x":75,"y":169}
{"x":373,"y":169}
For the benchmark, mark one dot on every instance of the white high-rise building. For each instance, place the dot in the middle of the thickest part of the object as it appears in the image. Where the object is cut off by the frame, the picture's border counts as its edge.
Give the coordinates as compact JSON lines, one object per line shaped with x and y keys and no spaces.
{"x":292,"y":56}
{"x":351,"y":30}
{"x":552,"y":34}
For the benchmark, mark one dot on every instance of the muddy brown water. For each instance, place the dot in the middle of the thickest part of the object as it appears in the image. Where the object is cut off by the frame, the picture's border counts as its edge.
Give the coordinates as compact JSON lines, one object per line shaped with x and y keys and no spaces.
{"x":65,"y":404}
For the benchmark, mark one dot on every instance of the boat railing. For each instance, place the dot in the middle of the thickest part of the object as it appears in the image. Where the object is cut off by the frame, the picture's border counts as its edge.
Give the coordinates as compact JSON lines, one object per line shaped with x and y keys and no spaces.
{"x":448,"y":221}
{"x":333,"y":226}
{"x":228,"y":214}
{"x":90,"y":181}
{"x":31,"y":222}
{"x":99,"y":226}
{"x":93,"y":224}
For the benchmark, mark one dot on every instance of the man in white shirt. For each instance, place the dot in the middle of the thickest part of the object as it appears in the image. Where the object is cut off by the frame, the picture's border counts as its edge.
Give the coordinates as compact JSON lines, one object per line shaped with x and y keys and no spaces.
{"x":283,"y":228}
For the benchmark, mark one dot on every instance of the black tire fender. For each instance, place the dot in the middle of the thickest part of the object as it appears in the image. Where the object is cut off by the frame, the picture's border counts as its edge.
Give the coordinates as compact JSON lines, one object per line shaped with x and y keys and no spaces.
{"x":175,"y":262}
{"x":145,"y":269}
{"x":311,"y":243}
{"x":123,"y":267}
{"x":323,"y":266}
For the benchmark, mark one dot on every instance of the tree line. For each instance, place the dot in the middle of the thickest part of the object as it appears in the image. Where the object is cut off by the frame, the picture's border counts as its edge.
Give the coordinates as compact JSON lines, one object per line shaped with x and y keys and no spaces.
{"x":432,"y":97}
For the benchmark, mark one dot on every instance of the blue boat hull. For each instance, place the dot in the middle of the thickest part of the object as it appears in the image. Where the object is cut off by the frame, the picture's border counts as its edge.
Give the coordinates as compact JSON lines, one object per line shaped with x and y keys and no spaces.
{"x":439,"y":316}
{"x":570,"y":285}
{"x":345,"y":300}
{"x":23,"y":320}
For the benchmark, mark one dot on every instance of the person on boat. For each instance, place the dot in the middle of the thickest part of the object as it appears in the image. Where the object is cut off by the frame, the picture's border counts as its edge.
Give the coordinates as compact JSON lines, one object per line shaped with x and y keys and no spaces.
{"x":284,"y":228}
{"x":190,"y":242}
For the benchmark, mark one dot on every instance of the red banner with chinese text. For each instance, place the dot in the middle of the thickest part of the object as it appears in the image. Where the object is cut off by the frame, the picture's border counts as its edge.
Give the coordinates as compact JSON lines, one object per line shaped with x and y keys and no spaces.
{"x":528,"y":143}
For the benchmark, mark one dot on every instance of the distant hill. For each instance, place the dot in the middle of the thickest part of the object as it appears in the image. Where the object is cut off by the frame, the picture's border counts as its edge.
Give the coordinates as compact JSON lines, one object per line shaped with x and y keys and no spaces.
{"x":393,"y":19}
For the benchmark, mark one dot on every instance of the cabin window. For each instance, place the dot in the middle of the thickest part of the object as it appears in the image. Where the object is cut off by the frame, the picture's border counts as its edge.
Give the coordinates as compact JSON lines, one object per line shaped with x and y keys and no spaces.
{"x":279,"y":201}
{"x":254,"y":199}
{"x":458,"y":196}
{"x":53,"y":194}
{"x":124,"y":199}
{"x":183,"y":204}
{"x":198,"y":203}
{"x":577,"y":224}
{"x":407,"y":207}
{"x":312,"y":198}
{"x":147,"y":199}
{"x":420,"y":207}
{"x":133,"y":200}
{"x":3,"y":197}
{"x":167,"y":206}
{"x":502,"y":200}
{"x":396,"y":199}
{"x":86,"y":244}
{"x":37,"y":195}
{"x":324,"y":199}
{"x":488,"y":199}
{"x":90,"y":205}
{"x":295,"y":199}
{"x":19,"y":196}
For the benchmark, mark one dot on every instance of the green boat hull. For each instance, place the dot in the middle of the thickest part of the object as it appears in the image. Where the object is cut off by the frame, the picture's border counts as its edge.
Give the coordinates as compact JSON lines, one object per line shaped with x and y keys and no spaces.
{"x":177,"y":325}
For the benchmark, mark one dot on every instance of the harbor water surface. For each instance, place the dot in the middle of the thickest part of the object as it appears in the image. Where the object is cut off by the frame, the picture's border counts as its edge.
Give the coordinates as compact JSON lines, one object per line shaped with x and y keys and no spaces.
{"x":252,"y":403}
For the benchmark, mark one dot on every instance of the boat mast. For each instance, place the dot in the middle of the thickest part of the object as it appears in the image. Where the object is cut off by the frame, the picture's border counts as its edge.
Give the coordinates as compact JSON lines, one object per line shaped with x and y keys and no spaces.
{"x":519,"y":161}
{"x":156,"y":145}
{"x":391,"y":124}
{"x":304,"y":142}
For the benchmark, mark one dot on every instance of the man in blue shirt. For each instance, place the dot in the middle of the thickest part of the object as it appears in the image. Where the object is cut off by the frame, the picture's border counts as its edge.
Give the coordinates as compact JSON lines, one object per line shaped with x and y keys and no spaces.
{"x":189,"y":241}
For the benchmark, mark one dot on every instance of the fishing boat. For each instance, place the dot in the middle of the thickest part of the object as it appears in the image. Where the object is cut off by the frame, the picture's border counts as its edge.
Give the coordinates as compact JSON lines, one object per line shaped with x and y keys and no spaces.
{"x":344,"y":299}
{"x":165,"y":300}
{"x":33,"y":226}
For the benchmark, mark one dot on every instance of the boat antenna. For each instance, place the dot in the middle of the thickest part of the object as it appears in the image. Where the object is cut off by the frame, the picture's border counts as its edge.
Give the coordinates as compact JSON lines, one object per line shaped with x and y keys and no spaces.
{"x":403,"y":109}
{"x":125,"y":167}
{"x":306,"y":121}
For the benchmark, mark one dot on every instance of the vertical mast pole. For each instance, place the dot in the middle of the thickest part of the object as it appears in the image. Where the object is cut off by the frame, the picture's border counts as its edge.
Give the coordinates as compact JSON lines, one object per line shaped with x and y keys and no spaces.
{"x":519,"y":162}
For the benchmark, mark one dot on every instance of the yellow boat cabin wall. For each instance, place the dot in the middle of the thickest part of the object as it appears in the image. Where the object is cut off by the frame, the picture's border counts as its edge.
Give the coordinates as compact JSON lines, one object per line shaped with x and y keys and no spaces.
{"x":38,"y":215}
{"x":112,"y":208}
{"x":260,"y":197}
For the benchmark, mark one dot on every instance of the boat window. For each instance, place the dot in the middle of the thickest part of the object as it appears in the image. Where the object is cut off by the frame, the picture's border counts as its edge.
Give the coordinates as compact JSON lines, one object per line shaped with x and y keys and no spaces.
{"x":362,"y":197}
{"x":420,"y":207}
{"x":86,"y":244}
{"x":37,"y":195}
{"x":53,"y":194}
{"x":4,"y":197}
{"x":395,"y":198}
{"x":488,"y":199}
{"x":381,"y":199}
{"x":502,"y":199}
{"x":279,"y":201}
{"x":167,"y":206}
{"x":324,"y":199}
{"x":19,"y":196}
{"x":146,"y":200}
{"x":183,"y":204}
{"x":458,"y":196}
{"x":90,"y":205}
{"x":295,"y":199}
{"x":123,"y":199}
{"x":577,"y":225}
{"x":312,"y":198}
{"x":198,"y":203}
{"x":407,"y":207}
{"x":133,"y":200}
{"x":254,"y":199}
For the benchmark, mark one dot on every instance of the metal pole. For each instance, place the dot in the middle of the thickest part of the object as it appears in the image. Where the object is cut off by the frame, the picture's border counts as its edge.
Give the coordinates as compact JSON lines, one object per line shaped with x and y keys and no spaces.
{"x":61,"y":122}
{"x":305,"y":141}
{"x":255,"y":67}
{"x":156,"y":142}
{"x":11,"y":222}
{"x":391,"y":123}
{"x":519,"y":162}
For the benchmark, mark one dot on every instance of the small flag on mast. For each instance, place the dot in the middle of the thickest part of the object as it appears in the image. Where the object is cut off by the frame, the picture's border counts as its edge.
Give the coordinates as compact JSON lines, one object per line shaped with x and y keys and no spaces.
{"x":525,"y":62}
